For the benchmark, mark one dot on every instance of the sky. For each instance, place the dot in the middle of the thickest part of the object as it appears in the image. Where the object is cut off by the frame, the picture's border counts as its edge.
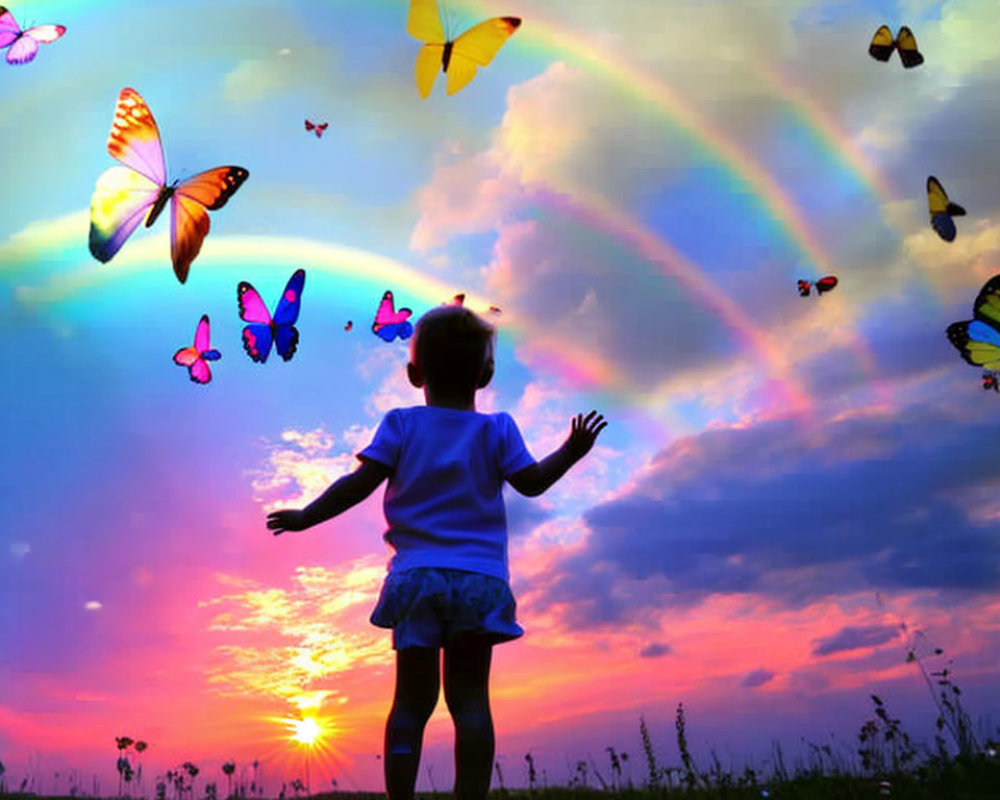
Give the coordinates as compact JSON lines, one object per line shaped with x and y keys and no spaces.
{"x":792,"y":492}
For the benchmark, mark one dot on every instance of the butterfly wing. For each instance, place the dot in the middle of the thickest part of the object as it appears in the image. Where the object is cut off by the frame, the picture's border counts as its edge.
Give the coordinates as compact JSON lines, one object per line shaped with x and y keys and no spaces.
{"x":477,"y":47}
{"x":320,"y":128}
{"x":804,"y":287}
{"x":309,"y":126}
{"x":189,"y":223}
{"x":120,"y":201}
{"x":978,"y":340}
{"x":134,"y":139}
{"x":286,"y":335}
{"x":906,"y":43}
{"x":9,"y":29}
{"x":826,"y":284}
{"x":882,"y":44}
{"x":257,"y":335}
{"x":424,"y":23}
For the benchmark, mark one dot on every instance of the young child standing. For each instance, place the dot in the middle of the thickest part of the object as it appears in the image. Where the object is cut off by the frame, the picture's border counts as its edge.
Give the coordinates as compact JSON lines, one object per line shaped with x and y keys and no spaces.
{"x":447,"y":585}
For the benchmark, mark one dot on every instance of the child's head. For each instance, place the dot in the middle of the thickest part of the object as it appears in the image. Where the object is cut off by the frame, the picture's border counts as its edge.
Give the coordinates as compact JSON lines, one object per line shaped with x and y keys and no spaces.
{"x":451,"y":350}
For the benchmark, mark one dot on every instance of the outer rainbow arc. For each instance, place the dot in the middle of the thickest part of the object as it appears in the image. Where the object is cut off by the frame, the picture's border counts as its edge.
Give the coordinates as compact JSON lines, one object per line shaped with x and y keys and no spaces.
{"x":598,"y":211}
{"x":646,"y":87}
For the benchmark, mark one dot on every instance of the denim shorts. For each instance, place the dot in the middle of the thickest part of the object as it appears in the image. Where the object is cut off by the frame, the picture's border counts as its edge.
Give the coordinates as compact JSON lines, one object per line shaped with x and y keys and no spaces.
{"x":430,"y":606}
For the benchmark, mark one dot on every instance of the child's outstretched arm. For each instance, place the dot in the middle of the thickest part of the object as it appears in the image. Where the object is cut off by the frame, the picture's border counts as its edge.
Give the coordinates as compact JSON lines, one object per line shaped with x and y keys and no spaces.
{"x":340,"y":496}
{"x":534,"y":480}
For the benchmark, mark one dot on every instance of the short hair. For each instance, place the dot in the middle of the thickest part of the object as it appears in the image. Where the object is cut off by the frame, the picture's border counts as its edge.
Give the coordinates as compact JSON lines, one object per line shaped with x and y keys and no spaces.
{"x":451,"y":346}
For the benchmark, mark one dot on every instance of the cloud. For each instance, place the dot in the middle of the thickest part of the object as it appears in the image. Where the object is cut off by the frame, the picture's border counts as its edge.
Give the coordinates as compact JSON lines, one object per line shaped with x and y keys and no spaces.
{"x":289,"y":642}
{"x":792,"y":515}
{"x":654,"y":650}
{"x":757,"y":677}
{"x":855,"y":638}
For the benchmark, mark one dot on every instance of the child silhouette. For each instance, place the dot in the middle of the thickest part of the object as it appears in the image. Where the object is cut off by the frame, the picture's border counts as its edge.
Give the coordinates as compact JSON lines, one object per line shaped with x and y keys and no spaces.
{"x":447,"y":585}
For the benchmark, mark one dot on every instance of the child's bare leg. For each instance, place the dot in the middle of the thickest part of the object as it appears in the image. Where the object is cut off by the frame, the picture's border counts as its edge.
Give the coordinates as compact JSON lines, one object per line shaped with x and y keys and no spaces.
{"x":466,"y":691}
{"x":417,"y":686}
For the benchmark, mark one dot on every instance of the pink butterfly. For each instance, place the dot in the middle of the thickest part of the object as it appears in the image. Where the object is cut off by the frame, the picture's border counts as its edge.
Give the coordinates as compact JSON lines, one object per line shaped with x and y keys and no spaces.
{"x":390,"y":323}
{"x":24,"y":44}
{"x":126,"y":195}
{"x":312,"y":126}
{"x":196,"y":356}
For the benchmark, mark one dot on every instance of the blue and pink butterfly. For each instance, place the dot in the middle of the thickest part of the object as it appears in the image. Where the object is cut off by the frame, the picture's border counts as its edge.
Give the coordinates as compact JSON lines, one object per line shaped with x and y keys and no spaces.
{"x":391,"y":323}
{"x":265,"y":330}
{"x":23,"y":44}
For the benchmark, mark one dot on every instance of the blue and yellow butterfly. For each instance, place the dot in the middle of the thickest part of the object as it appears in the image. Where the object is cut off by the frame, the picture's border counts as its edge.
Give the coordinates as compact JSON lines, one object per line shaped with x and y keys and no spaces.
{"x":978,"y":340}
{"x":458,"y":57}
{"x":883,"y":44}
{"x":942,"y":210}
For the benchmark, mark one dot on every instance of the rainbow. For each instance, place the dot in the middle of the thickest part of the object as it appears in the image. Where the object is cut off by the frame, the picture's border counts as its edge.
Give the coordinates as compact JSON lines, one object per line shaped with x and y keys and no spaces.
{"x":369,"y":273}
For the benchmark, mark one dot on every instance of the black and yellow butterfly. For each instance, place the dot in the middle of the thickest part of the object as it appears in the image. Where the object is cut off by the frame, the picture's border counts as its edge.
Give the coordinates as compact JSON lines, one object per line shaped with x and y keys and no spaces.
{"x":883,"y":44}
{"x":942,"y":210}
{"x":458,"y":57}
{"x":978,"y":339}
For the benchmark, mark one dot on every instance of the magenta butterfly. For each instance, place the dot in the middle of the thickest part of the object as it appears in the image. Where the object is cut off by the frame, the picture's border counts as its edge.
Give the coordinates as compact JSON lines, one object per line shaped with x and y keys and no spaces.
{"x":390,"y":323}
{"x":264,"y":330}
{"x":126,"y":195}
{"x":24,"y":44}
{"x":196,"y":357}
{"x":318,"y":128}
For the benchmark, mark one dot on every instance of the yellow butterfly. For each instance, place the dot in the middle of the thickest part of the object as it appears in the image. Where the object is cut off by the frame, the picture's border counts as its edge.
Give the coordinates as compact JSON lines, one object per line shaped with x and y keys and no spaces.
{"x":883,"y":44}
{"x":459,"y":57}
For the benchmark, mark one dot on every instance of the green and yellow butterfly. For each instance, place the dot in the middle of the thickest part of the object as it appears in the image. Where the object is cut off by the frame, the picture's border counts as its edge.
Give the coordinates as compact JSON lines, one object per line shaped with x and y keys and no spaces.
{"x":978,"y":339}
{"x":883,"y":44}
{"x":459,"y":57}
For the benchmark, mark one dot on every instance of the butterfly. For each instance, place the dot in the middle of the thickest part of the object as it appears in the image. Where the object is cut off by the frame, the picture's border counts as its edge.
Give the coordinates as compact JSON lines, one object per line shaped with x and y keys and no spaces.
{"x":390,"y":323}
{"x":459,"y":57}
{"x":24,"y":44}
{"x":348,"y":325}
{"x":942,"y":210}
{"x":821,"y":286}
{"x":457,"y":300}
{"x":978,"y":340}
{"x":126,"y":195}
{"x":196,"y":357}
{"x":263,"y":329}
{"x":312,"y":126}
{"x":883,"y":44}
{"x":990,"y":382}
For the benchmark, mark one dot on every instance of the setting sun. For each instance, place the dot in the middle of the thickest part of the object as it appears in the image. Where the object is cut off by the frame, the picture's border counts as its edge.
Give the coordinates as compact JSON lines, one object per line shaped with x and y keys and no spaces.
{"x":307,"y":731}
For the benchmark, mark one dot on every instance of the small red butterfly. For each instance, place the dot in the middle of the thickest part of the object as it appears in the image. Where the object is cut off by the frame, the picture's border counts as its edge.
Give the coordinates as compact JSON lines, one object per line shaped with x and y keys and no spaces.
{"x":822,"y":285}
{"x":349,"y":325}
{"x":457,"y":300}
{"x":319,"y":128}
{"x":990,"y":382}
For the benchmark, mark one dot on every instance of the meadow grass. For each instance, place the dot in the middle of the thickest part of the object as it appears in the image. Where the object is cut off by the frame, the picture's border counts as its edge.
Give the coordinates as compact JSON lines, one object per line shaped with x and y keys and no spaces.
{"x":887,"y":763}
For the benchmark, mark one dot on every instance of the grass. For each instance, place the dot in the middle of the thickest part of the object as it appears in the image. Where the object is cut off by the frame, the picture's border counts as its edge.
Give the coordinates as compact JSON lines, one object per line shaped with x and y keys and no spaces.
{"x":887,"y":763}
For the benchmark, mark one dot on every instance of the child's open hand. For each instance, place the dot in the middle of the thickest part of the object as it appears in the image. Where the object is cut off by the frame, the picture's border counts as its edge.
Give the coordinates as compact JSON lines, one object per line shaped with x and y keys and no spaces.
{"x":289,"y":519}
{"x":583,"y":434}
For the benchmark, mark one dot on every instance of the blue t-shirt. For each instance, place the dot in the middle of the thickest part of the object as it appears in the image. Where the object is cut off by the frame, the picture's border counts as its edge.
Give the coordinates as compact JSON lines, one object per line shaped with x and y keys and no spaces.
{"x":443,"y":503}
